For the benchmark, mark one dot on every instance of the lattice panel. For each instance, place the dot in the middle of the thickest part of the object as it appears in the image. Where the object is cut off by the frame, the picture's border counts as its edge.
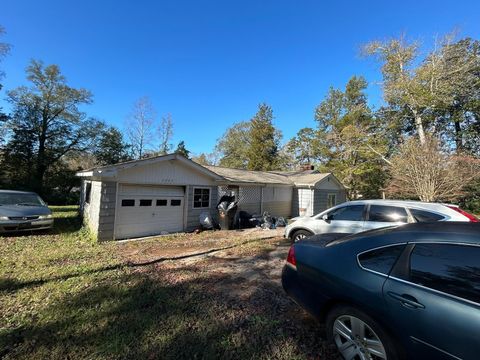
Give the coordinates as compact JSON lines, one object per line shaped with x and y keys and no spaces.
{"x":244,"y":195}
{"x":250,"y":195}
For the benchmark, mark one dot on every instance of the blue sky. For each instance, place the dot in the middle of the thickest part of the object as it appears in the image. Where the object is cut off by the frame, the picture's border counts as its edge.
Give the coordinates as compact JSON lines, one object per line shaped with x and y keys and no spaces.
{"x":209,"y":63}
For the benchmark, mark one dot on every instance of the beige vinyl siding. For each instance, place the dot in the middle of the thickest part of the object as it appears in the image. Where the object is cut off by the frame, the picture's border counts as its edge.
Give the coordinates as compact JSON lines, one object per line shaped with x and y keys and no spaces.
{"x":163,"y":173}
{"x":91,"y":210}
{"x":277,"y":200}
{"x":321,"y":198}
{"x":193,"y":215}
{"x":106,"y":214}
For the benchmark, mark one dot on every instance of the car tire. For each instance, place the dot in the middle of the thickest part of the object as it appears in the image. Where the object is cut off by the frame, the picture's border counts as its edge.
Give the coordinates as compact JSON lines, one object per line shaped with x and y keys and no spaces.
{"x":301,"y":234}
{"x":350,"y":343}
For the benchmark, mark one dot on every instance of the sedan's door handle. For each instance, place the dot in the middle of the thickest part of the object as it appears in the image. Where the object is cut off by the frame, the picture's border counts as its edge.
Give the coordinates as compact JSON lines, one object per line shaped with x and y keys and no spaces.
{"x":407,"y":300}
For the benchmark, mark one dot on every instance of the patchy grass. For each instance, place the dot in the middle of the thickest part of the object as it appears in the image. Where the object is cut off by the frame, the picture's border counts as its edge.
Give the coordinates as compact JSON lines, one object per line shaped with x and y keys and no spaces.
{"x":65,"y":296}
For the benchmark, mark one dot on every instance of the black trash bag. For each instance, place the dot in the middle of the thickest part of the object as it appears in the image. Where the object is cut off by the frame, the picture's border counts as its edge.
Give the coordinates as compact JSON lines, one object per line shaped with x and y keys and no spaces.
{"x":243,"y":220}
{"x":281,"y":222}
{"x":256,"y":220}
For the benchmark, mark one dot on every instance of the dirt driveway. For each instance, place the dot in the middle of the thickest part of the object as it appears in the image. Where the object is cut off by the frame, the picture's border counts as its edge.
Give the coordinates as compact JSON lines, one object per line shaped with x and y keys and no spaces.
{"x":244,"y":281}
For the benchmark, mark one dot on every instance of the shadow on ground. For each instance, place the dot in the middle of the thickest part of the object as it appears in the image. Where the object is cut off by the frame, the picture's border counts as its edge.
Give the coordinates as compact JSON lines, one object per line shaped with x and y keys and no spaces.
{"x":170,"y":311}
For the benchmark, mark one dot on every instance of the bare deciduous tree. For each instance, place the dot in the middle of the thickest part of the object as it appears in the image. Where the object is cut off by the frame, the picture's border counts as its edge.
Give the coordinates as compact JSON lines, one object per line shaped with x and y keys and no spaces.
{"x":140,"y":126}
{"x":430,"y":174}
{"x":165,"y":133}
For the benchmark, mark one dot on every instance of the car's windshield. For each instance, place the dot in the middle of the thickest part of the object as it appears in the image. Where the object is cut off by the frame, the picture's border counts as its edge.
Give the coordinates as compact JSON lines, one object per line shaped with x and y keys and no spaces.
{"x":20,"y":199}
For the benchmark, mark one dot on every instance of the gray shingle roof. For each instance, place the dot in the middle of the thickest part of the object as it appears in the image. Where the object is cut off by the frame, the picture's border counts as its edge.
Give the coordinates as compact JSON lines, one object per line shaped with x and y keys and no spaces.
{"x":307,"y":178}
{"x":247,"y":176}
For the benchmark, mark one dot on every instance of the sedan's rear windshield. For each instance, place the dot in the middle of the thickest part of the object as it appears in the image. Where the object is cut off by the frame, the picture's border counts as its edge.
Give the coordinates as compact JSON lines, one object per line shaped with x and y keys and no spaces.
{"x":20,"y":199}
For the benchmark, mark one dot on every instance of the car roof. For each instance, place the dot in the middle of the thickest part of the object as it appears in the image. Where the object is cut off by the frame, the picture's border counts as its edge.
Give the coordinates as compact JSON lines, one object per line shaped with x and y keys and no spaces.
{"x":16,"y":192}
{"x":440,"y":231}
{"x":397,"y":202}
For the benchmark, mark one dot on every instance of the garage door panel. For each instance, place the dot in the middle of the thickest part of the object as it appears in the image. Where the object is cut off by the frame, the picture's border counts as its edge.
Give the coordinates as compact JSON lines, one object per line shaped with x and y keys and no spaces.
{"x":161,"y":213}
{"x":138,"y":190}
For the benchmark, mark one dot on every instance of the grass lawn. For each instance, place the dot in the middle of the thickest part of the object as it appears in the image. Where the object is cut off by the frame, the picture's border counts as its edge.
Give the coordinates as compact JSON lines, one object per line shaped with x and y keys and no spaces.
{"x":63,"y":296}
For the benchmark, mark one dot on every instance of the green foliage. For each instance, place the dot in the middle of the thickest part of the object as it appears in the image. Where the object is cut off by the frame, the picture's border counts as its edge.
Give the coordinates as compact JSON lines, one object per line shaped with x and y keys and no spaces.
{"x":234,"y":145}
{"x":471,"y":201}
{"x":305,"y":148}
{"x":46,"y":126}
{"x":182,"y":150}
{"x":253,"y":144}
{"x":347,"y":139}
{"x":263,"y":150}
{"x":111,"y":148}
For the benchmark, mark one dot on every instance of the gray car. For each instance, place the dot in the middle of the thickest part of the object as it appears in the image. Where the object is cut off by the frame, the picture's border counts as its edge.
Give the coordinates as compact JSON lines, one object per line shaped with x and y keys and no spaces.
{"x":361,"y":215}
{"x":23,"y":211}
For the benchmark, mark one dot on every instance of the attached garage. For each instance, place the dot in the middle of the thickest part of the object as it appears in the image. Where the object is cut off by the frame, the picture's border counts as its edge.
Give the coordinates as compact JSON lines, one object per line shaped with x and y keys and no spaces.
{"x":164,"y":194}
{"x":144,"y":210}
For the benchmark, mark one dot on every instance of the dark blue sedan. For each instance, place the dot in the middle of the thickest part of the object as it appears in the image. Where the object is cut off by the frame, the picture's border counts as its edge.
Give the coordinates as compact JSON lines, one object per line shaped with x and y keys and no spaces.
{"x":406,"y":292}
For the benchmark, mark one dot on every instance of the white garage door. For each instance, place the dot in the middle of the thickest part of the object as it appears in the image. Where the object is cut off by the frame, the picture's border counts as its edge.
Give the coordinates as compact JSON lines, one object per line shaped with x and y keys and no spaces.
{"x":148,"y":210}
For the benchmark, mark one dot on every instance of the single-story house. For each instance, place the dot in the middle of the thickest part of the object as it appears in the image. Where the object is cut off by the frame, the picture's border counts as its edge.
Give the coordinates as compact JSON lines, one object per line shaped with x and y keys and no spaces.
{"x":168,"y":193}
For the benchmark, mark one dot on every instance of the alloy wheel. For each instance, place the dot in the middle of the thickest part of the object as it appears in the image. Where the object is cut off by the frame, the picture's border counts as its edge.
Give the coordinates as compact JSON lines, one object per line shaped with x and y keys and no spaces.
{"x":356,"y":340}
{"x":300,"y":236}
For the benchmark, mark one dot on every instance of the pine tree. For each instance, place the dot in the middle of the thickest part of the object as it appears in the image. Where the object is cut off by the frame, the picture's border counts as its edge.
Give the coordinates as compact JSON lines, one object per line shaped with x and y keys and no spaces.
{"x":182,"y":150}
{"x":263,"y":151}
{"x":111,"y":148}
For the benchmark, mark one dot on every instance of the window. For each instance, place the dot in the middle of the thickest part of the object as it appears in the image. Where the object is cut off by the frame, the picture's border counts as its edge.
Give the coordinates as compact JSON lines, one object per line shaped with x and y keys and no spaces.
{"x":425,"y":216}
{"x":331,"y":200}
{"x":381,"y":260}
{"x":88,"y":192}
{"x":145,"y":202}
{"x":349,"y":213}
{"x":453,"y":269}
{"x":175,"y":202}
{"x":162,"y":202}
{"x":128,"y":202}
{"x":383,"y":213}
{"x":201,"y":198}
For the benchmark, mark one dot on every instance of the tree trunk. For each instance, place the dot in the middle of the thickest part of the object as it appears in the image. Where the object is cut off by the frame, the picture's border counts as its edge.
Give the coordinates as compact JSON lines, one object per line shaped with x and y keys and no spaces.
{"x":419,"y":127}
{"x":458,"y":135}
{"x":41,"y":167}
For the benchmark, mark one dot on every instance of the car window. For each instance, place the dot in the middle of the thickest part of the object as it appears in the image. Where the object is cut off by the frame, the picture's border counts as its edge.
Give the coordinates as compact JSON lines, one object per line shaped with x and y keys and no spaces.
{"x":350,"y":213}
{"x":20,"y":199}
{"x":453,"y":269}
{"x":381,"y":260}
{"x":384,"y":213}
{"x":425,"y":216}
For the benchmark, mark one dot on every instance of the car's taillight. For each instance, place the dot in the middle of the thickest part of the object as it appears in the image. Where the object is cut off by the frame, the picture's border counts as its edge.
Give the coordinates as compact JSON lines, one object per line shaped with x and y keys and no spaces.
{"x":470,"y":217}
{"x":291,"y":256}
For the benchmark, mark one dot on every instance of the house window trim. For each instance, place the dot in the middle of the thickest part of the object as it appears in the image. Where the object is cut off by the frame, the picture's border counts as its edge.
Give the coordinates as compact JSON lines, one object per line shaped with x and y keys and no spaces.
{"x":328,"y":195}
{"x":209,"y":197}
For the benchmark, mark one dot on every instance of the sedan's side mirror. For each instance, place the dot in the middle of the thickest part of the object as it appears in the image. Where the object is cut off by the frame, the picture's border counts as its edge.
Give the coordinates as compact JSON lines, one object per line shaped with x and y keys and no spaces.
{"x":325,"y":217}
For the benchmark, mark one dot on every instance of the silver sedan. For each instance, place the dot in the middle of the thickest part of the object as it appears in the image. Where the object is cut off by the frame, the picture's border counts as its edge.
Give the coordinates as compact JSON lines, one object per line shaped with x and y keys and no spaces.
{"x":23,"y":211}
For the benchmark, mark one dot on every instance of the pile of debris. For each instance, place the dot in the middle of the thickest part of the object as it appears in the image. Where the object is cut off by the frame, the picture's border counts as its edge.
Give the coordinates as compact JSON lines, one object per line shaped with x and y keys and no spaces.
{"x":229,"y":218}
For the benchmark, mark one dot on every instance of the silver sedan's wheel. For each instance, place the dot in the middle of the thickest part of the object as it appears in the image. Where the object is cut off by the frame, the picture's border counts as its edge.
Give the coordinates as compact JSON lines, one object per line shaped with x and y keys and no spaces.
{"x":356,"y":340}
{"x":301,"y":234}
